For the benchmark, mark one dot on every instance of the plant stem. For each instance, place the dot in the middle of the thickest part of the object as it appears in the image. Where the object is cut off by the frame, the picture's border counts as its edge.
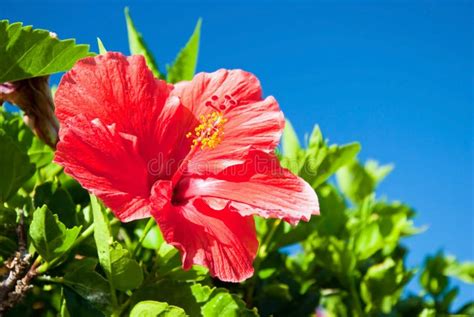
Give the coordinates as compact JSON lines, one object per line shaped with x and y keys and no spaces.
{"x":355,"y":298}
{"x":268,"y":238}
{"x":148,"y":227}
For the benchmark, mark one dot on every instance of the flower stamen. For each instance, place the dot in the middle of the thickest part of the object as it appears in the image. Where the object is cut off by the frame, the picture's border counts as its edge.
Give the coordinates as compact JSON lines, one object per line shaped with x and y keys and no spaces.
{"x":208,"y":134}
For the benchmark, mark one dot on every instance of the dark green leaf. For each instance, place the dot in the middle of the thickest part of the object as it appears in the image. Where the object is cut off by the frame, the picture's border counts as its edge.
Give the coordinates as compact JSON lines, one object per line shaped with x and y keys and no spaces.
{"x":58,"y":201}
{"x":90,"y":285}
{"x":15,"y":167}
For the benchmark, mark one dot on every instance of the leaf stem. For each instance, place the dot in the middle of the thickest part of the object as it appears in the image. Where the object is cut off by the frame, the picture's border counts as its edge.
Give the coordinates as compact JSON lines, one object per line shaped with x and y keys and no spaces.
{"x":147,"y":229}
{"x":268,"y":238}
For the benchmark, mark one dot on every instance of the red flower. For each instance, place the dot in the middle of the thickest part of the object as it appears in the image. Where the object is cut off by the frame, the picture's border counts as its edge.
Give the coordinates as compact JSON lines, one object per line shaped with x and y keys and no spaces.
{"x":198,"y":157}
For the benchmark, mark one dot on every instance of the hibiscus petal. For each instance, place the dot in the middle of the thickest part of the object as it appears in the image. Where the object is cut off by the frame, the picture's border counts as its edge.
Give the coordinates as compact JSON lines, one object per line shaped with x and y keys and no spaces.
{"x":114,"y":89}
{"x":251,"y":121}
{"x":260,"y":186}
{"x":221,"y":240}
{"x":107,"y":163}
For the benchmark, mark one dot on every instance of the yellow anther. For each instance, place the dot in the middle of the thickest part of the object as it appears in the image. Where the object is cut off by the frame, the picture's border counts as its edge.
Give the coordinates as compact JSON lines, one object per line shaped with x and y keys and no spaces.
{"x":208,"y":134}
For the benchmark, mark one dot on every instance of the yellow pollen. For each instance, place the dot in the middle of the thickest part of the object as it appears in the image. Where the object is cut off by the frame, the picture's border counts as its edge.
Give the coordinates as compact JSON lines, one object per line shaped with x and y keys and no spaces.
{"x":209,"y":133}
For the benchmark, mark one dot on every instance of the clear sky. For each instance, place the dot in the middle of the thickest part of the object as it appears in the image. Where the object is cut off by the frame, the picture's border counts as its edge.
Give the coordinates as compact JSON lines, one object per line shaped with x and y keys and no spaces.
{"x":396,"y":76}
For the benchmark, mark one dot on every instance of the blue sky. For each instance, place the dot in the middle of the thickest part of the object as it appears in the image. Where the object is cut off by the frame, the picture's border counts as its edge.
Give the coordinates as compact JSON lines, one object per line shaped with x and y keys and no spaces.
{"x":396,"y":76}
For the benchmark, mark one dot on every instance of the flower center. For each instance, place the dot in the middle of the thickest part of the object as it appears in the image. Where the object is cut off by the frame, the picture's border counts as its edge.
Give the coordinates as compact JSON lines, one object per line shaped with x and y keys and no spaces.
{"x":208,"y":134}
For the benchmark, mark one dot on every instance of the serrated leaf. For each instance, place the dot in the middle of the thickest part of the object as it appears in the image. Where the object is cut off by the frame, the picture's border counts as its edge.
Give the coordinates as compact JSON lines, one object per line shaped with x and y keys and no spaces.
{"x":137,"y":45}
{"x":15,"y":167}
{"x":184,"y":66}
{"x":49,"y":236}
{"x":156,"y":309}
{"x":28,"y":52}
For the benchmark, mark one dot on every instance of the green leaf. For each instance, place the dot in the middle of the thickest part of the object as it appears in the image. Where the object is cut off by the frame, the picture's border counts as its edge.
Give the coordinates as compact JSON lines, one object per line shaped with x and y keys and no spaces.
{"x":378,"y":172}
{"x":137,"y":45}
{"x":102,"y":49}
{"x":90,"y":285}
{"x":195,"y":299}
{"x":383,"y":284}
{"x":322,"y":161}
{"x":28,"y":52}
{"x":77,"y":306}
{"x":156,"y":309}
{"x":291,"y":148}
{"x":102,"y":236}
{"x":185,"y":63}
{"x":126,"y":273}
{"x":355,"y":182}
{"x":49,"y":236}
{"x":7,"y":218}
{"x":153,"y":239}
{"x":58,"y":201}
{"x":7,"y":247}
{"x":15,"y":167}
{"x":463,"y":271}
{"x":433,"y":278}
{"x":368,"y":241}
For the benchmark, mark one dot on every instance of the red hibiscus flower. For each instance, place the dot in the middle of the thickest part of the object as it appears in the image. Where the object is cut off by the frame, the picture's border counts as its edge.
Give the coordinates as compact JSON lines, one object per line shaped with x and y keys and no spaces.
{"x":198,"y":157}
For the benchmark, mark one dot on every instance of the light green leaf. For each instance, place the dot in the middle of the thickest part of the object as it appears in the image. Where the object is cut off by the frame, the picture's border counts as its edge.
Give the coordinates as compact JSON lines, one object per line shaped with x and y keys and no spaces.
{"x":355,"y":182}
{"x":289,"y":142}
{"x":291,"y":147}
{"x":126,"y":273}
{"x":368,"y":241}
{"x":15,"y":167}
{"x":378,"y":172}
{"x":185,"y":63}
{"x":137,"y":45}
{"x":151,"y":308}
{"x":153,"y":239}
{"x":382,"y":285}
{"x":463,"y":271}
{"x":322,"y":161}
{"x":49,"y":236}
{"x":28,"y":52}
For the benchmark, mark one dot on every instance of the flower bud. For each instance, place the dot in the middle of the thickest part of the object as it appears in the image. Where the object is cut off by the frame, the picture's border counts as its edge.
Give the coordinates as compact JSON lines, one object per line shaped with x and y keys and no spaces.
{"x":33,"y":96}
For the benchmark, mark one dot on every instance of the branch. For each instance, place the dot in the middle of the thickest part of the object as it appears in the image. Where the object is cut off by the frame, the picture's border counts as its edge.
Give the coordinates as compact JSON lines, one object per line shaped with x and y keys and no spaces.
{"x":17,"y":283}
